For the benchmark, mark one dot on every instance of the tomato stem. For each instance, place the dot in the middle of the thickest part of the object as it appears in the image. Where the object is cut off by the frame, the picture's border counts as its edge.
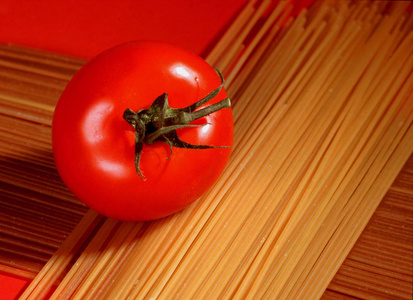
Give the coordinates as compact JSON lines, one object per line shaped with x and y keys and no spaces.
{"x":159,"y":122}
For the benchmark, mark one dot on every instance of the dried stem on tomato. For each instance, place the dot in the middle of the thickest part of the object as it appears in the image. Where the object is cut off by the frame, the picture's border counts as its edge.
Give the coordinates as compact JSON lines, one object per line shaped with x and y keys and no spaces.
{"x":159,"y":122}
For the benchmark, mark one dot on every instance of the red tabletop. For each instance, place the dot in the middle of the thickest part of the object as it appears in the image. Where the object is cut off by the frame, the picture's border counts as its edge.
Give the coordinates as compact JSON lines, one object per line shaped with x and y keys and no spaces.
{"x":85,"y":28}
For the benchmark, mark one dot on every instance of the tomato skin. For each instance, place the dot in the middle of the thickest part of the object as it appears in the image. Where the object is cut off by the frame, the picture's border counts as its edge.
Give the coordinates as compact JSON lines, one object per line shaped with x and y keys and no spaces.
{"x":93,"y":146}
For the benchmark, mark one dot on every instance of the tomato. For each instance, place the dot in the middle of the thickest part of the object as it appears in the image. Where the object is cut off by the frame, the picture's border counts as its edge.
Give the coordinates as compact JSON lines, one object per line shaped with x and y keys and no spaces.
{"x":98,"y":152}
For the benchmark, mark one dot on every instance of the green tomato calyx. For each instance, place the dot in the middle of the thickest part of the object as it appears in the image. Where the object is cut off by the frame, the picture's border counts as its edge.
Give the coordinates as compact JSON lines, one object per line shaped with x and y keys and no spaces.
{"x":159,"y":122}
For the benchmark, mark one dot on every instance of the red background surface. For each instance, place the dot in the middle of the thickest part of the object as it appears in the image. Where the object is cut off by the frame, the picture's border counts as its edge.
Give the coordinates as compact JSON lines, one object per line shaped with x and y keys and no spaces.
{"x":10,"y":287}
{"x":86,"y":28}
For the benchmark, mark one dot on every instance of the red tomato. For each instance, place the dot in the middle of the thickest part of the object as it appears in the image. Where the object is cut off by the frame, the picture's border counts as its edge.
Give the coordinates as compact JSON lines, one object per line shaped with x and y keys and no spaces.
{"x":94,"y":146}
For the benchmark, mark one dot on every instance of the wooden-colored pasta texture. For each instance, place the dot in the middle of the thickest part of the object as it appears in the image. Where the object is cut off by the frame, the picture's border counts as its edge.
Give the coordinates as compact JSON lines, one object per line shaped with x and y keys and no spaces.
{"x":323,"y":115}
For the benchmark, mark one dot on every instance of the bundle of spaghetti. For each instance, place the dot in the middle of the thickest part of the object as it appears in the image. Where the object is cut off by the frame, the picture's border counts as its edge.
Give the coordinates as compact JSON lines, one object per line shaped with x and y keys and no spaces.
{"x":388,"y":264}
{"x":323,"y":114}
{"x":37,"y":211}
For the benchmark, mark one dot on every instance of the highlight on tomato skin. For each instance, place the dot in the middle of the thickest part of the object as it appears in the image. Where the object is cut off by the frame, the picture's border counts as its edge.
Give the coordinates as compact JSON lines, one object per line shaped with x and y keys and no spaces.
{"x":142,"y":131}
